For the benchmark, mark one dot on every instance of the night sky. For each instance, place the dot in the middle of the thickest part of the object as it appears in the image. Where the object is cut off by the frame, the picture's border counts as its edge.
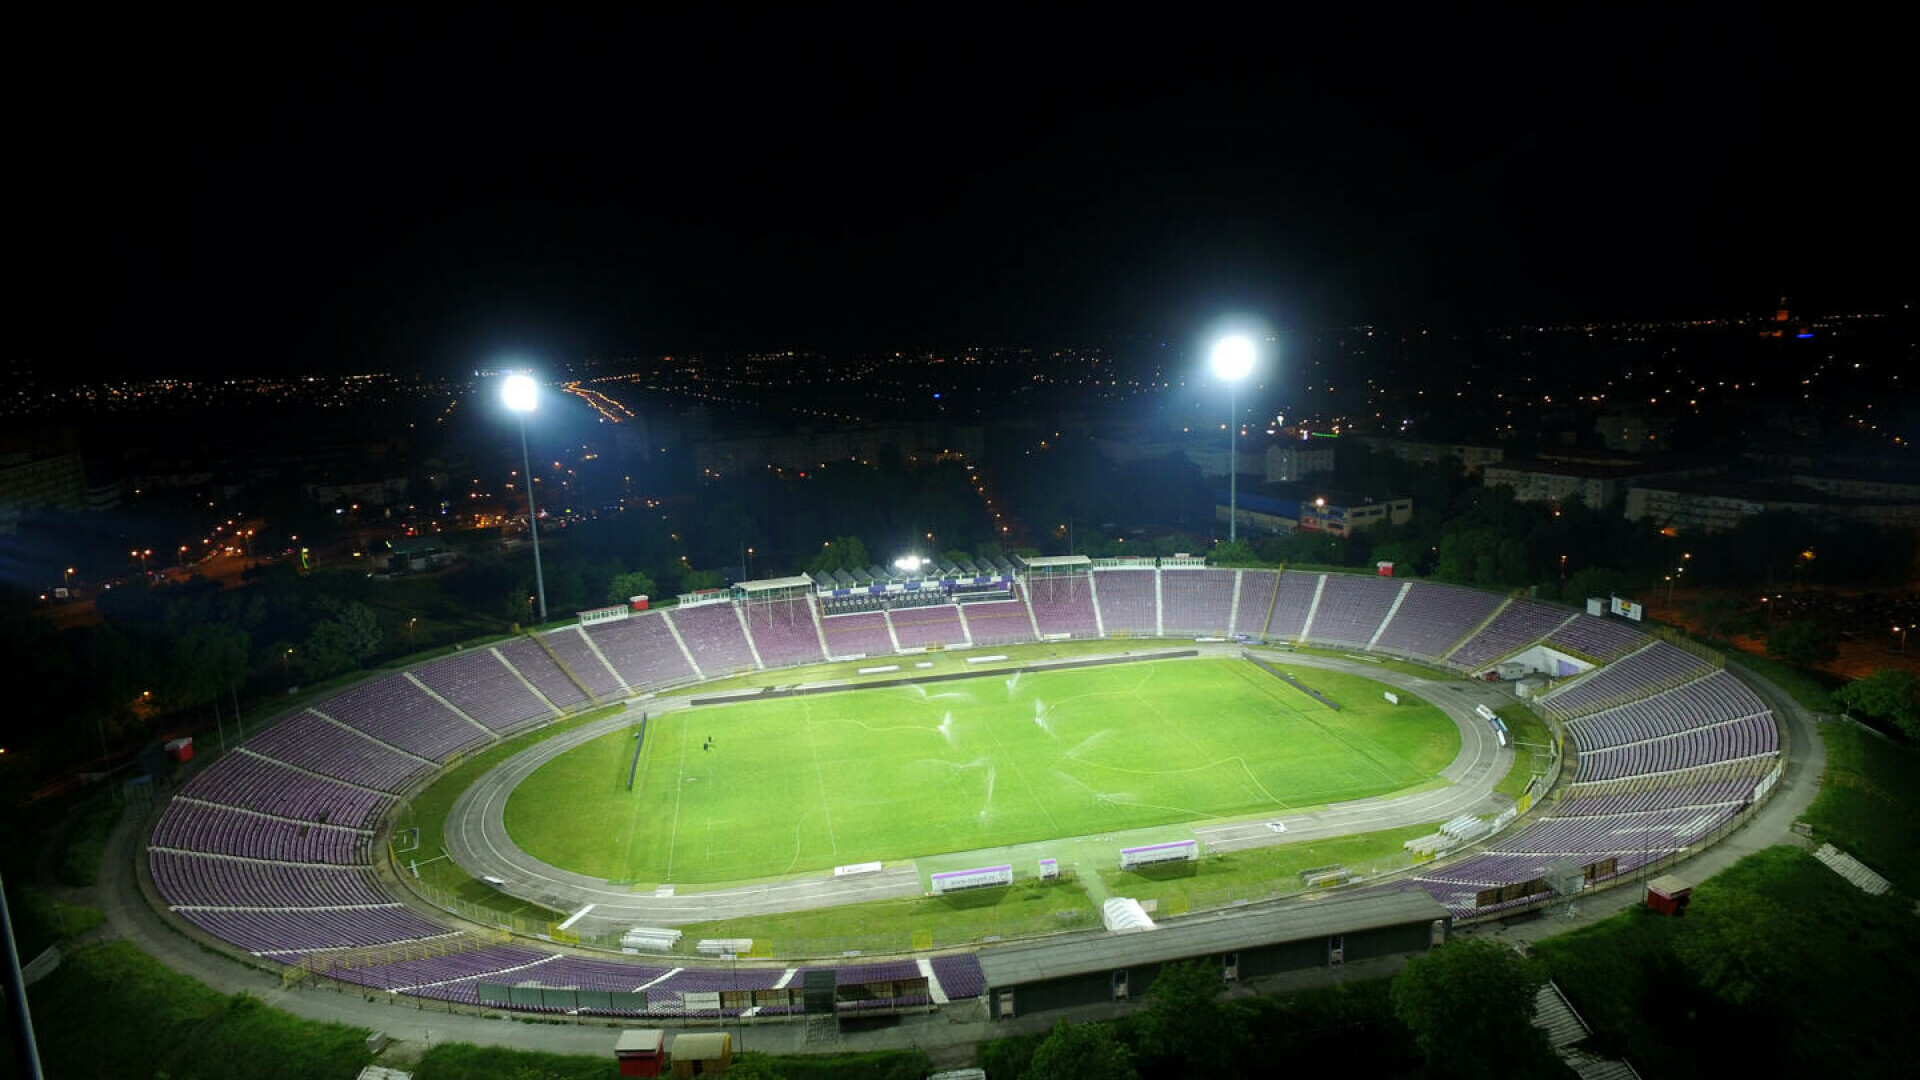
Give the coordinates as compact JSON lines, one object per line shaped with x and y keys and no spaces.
{"x":434,"y":191}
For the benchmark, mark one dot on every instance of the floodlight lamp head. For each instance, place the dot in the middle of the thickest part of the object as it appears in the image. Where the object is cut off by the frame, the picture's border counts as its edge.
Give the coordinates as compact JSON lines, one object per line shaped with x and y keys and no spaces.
{"x":1233,"y":357}
{"x":908,"y":563}
{"x":519,"y":393}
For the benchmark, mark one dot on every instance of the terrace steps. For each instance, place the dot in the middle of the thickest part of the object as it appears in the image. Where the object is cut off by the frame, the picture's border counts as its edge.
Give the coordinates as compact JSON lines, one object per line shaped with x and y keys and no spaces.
{"x":541,"y":640}
{"x":746,"y":631}
{"x":375,"y":739}
{"x":304,"y":771}
{"x":667,"y":617}
{"x":303,"y":822}
{"x":595,"y":647}
{"x":532,"y":689}
{"x":1475,"y":631}
{"x":455,"y":709}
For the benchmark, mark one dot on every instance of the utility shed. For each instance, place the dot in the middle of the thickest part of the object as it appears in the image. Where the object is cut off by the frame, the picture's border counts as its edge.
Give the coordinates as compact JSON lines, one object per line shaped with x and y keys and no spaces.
{"x":1248,"y":943}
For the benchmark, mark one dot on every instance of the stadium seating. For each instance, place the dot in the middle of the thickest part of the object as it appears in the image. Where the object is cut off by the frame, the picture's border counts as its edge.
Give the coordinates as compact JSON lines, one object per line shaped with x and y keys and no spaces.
{"x":220,"y":830}
{"x":713,"y":635}
{"x":1432,"y":618}
{"x":920,"y":627}
{"x":1127,"y":601}
{"x":1196,"y":603}
{"x":1520,"y":624}
{"x":1654,"y":667}
{"x":1257,"y":599}
{"x":396,"y":711}
{"x":484,"y":686}
{"x":862,"y":634}
{"x":1290,"y":606}
{"x":286,"y":933}
{"x":960,"y":975}
{"x":1064,"y":606}
{"x":1600,"y":639}
{"x":998,"y":622}
{"x":194,"y":880}
{"x":310,"y":742}
{"x":1351,"y":609}
{"x":245,"y":780}
{"x":577,"y":653}
{"x":267,"y":847}
{"x":784,"y":633}
{"x":526,"y":656}
{"x":643,"y":651}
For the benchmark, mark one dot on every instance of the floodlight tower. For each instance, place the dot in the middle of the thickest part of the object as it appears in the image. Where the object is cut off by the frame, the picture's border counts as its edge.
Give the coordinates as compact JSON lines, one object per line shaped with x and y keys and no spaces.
{"x":521,"y":394}
{"x":1232,"y":361}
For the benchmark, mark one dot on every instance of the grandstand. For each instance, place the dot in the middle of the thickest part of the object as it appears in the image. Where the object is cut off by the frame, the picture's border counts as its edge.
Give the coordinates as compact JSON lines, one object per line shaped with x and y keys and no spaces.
{"x":1060,"y":594}
{"x":1197,"y":602}
{"x":269,"y":848}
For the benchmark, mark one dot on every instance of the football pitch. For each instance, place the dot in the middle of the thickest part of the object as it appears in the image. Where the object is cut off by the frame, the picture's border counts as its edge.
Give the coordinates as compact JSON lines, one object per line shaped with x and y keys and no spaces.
{"x":809,"y":782}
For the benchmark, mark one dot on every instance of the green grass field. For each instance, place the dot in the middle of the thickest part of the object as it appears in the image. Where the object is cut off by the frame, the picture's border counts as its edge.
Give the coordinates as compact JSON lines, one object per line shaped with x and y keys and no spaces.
{"x":804,"y":783}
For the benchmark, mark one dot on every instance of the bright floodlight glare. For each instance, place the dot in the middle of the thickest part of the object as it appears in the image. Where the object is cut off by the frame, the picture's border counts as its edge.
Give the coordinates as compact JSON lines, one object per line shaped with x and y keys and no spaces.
{"x":909,"y":563}
{"x":1233,"y":358}
{"x":519,"y":392}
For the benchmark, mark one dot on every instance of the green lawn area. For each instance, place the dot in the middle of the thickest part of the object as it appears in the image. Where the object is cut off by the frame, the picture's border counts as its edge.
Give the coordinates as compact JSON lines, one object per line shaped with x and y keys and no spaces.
{"x":428,"y":813}
{"x":804,"y":783}
{"x":1260,"y":873}
{"x":111,"y":1010}
{"x":1779,"y":968}
{"x":1869,"y":803}
{"x":1532,"y":748}
{"x":1027,"y":907}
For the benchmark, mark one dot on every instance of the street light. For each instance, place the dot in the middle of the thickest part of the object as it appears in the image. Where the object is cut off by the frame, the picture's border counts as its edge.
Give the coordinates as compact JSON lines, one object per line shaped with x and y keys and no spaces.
{"x":1232,"y":360}
{"x":1902,"y":631}
{"x":521,"y":394}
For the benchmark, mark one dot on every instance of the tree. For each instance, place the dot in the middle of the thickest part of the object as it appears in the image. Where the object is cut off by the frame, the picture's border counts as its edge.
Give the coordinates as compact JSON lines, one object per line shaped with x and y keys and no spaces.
{"x":206,"y":660}
{"x":1890,"y":694}
{"x":1469,"y":1005}
{"x":1237,"y":553}
{"x":630,"y":584}
{"x":841,"y":553}
{"x":1080,"y":1052}
{"x":1800,"y":642}
{"x":342,"y":642}
{"x":1186,"y":1021}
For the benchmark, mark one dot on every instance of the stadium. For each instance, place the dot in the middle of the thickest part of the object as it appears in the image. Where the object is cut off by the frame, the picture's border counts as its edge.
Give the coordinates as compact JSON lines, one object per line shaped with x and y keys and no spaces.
{"x":694,"y":787}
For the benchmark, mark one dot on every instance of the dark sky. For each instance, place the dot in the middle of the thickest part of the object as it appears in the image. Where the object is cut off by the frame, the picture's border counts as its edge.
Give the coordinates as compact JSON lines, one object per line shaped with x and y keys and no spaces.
{"x":436,"y":190}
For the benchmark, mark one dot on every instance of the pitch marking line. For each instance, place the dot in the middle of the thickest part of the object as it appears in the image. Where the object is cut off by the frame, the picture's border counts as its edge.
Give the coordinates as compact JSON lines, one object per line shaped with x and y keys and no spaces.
{"x":826,"y":813}
{"x":680,"y":784}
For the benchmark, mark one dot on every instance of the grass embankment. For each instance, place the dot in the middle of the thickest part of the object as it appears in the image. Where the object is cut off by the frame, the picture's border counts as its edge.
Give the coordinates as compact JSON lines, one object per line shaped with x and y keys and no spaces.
{"x":112,"y":1011}
{"x":1386,"y":663}
{"x":1813,"y":690}
{"x":460,"y":1061}
{"x":1869,"y":803}
{"x":1260,"y":873}
{"x":1532,"y":748}
{"x":811,"y":782}
{"x":1780,"y":968}
{"x":428,"y":813}
{"x":1027,"y":907}
{"x":86,"y":842}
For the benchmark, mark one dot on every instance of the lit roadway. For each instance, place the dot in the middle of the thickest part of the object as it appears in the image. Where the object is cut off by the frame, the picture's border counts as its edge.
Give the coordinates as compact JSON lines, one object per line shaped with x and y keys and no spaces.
{"x":477,"y":839}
